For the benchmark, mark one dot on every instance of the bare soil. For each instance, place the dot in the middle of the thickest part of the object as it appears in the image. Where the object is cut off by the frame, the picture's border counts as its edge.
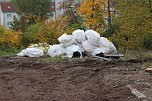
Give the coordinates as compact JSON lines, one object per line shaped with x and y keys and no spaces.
{"x":32,"y":79}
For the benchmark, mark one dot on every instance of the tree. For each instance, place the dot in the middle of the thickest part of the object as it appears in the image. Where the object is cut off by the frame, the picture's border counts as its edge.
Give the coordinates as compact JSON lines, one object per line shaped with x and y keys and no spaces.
{"x":31,"y":12}
{"x":25,"y":21}
{"x":93,"y":13}
{"x":45,"y":32}
{"x":34,"y":7}
{"x":70,"y":10}
{"x":135,"y":21}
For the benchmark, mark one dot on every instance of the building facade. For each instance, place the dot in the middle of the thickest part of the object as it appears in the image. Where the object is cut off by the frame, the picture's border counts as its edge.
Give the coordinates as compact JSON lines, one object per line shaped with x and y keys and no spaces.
{"x":57,"y":10}
{"x":8,"y":11}
{"x":62,"y":10}
{"x":5,"y":0}
{"x":7,"y":14}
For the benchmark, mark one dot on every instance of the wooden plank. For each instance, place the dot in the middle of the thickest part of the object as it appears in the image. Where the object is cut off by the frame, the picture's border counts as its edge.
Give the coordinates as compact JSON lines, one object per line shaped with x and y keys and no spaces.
{"x":102,"y":58}
{"x":149,"y":70}
{"x":114,"y":55}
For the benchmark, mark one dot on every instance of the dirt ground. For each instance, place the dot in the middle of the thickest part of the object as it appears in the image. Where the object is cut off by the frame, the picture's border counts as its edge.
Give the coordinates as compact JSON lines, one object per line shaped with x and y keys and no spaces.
{"x":31,"y":79}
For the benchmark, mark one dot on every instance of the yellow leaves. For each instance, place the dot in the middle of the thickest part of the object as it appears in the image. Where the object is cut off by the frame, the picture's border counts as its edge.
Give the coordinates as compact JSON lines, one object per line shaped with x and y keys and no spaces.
{"x":11,"y":37}
{"x":135,"y":22}
{"x":69,"y":30}
{"x":91,"y":22}
{"x":86,"y":8}
{"x":1,"y":40}
{"x":93,"y":12}
{"x":14,"y":38}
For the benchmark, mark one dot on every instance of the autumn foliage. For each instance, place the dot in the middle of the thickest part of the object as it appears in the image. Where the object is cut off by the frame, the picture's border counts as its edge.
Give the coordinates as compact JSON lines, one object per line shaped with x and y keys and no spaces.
{"x":133,"y":24}
{"x":93,"y":13}
{"x":45,"y":32}
{"x":135,"y":21}
{"x":10,"y":38}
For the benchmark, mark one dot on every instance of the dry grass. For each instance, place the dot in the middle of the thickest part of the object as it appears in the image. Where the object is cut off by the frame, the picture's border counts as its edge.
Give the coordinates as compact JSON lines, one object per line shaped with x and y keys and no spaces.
{"x":137,"y":54}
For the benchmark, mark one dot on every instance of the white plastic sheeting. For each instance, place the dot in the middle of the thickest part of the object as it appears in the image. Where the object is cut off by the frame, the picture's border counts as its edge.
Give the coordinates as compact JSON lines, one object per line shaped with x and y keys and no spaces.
{"x":56,"y":50}
{"x":80,"y":41}
{"x":81,"y":48}
{"x":88,"y":46}
{"x":105,"y":43}
{"x":66,"y":40}
{"x":113,"y":48}
{"x":100,"y":50}
{"x":79,"y":35}
{"x":71,"y":49}
{"x":22,"y":53}
{"x":31,"y":52}
{"x":93,"y":37}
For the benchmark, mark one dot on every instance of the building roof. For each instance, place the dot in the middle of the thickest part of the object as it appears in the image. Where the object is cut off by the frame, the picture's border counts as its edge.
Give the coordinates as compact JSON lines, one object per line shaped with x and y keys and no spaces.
{"x":7,"y":7}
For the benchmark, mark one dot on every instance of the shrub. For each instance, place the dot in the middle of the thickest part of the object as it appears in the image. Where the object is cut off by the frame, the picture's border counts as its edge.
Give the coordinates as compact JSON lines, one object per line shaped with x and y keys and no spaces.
{"x":24,"y":21}
{"x":110,"y":32}
{"x":31,"y":34}
{"x":2,"y":32}
{"x":135,"y":21}
{"x":148,"y":41}
{"x":13,"y":38}
{"x":45,"y":32}
{"x":9,"y":38}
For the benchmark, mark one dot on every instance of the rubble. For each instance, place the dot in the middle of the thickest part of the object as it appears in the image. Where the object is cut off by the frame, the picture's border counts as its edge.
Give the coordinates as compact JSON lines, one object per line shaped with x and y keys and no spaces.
{"x":74,"y":45}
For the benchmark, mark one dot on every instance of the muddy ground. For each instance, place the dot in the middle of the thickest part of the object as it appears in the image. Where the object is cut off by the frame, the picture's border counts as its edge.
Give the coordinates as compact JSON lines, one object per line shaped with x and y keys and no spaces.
{"x":31,"y":79}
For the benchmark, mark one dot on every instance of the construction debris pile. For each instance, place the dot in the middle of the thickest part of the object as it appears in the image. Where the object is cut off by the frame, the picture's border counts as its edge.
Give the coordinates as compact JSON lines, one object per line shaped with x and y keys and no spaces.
{"x":75,"y":45}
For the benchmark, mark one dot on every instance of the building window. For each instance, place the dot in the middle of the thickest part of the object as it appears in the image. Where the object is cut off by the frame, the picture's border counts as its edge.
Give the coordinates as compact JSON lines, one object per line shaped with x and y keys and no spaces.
{"x":52,"y":7}
{"x":9,"y":23}
{"x":9,"y":15}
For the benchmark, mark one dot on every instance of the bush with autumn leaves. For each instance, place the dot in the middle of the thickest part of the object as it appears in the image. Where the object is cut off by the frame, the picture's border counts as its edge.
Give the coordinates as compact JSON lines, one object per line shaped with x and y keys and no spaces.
{"x":46,"y":31}
{"x":10,"y":38}
{"x":135,"y":24}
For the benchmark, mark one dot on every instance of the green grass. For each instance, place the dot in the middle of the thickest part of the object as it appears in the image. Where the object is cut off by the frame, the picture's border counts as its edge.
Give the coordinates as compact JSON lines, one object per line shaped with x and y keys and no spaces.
{"x":9,"y":52}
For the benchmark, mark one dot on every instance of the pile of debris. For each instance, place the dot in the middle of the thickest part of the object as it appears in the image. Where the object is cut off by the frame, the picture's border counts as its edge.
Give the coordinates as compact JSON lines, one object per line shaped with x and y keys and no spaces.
{"x":35,"y":50}
{"x":78,"y":44}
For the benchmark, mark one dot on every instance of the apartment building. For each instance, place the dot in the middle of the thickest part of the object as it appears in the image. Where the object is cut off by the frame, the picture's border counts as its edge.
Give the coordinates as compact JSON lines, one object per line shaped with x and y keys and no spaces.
{"x":5,"y":0}
{"x":7,"y":13}
{"x":59,"y":2}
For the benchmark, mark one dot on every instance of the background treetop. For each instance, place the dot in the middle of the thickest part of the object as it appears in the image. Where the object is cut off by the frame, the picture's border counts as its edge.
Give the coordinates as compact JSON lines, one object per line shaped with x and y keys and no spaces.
{"x":34,"y":7}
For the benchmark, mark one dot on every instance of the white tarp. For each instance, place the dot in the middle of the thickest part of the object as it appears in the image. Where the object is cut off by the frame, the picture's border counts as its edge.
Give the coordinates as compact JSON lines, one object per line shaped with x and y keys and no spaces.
{"x":71,"y":49}
{"x":93,"y":37}
{"x":113,"y":48}
{"x":105,"y":43}
{"x":33,"y":52}
{"x":22,"y":53}
{"x":79,"y":35}
{"x":56,"y":50}
{"x":66,"y":40}
{"x":80,"y":41}
{"x":81,"y":47}
{"x":88,"y":46}
{"x":100,"y":50}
